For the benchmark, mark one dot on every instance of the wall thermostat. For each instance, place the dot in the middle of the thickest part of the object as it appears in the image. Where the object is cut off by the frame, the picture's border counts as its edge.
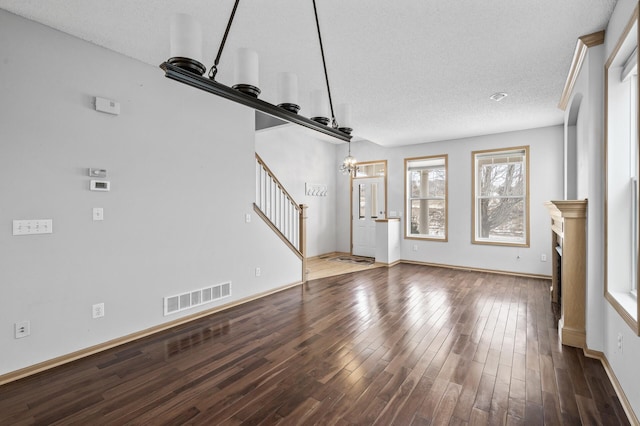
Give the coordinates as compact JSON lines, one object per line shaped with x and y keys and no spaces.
{"x":100,"y":185}
{"x":98,"y":173}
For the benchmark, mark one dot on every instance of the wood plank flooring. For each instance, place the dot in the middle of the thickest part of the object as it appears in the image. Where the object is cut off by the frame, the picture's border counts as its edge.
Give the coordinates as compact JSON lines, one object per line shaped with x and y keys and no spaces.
{"x":408,"y":345}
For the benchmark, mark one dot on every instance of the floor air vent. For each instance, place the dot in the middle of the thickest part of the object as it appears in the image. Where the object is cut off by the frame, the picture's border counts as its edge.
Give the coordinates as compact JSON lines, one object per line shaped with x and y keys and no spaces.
{"x":191,"y":299}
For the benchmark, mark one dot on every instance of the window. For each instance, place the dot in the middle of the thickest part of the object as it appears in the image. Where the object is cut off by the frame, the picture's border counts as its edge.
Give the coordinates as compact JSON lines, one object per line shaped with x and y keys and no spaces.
{"x":621,"y":184}
{"x":373,"y":201}
{"x":630,"y":73}
{"x":426,"y":198}
{"x":632,"y":76}
{"x":500,"y":191}
{"x":371,"y":169}
{"x":362,"y":204}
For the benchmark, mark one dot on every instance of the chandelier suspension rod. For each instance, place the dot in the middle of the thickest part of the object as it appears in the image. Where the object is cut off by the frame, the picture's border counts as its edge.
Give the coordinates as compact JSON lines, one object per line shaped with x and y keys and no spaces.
{"x":334,"y":124}
{"x":214,"y":69}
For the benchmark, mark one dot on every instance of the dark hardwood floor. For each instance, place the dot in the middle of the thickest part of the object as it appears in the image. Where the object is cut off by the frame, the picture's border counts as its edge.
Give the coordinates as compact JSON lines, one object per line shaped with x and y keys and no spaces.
{"x":406,"y":345}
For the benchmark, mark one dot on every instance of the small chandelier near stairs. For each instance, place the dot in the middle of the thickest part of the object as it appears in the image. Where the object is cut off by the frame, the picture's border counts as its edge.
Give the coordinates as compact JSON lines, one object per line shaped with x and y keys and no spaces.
{"x":349,"y":164}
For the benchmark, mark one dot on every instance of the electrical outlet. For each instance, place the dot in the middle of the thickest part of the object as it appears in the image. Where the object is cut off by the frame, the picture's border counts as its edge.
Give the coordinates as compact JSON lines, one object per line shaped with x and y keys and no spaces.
{"x":415,"y":247}
{"x":98,"y":213}
{"x":543,"y":257}
{"x":258,"y":272}
{"x":97,"y":310}
{"x":22,"y":329}
{"x":620,"y":341}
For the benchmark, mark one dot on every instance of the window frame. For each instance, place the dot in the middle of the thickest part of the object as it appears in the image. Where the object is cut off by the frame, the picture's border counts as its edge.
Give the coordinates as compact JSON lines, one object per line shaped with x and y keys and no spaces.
{"x":621,"y":291}
{"x":633,"y":155}
{"x":407,"y":199}
{"x":474,"y":196}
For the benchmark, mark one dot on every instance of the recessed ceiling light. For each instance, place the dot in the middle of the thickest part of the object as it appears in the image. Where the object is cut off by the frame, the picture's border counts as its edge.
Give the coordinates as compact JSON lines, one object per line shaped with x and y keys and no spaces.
{"x":498,"y":96}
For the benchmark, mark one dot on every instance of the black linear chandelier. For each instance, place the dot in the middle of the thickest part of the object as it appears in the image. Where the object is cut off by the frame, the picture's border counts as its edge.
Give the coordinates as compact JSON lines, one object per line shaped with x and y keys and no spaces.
{"x":186,"y":67}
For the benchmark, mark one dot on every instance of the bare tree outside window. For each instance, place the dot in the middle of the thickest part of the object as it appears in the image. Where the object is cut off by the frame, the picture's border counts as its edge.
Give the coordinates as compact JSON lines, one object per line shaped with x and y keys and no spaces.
{"x":501,"y":196}
{"x":426,"y":197}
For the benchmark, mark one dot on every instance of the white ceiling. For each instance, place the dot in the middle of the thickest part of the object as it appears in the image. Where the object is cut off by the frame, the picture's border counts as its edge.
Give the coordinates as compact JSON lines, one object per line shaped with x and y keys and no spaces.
{"x":413,"y":70}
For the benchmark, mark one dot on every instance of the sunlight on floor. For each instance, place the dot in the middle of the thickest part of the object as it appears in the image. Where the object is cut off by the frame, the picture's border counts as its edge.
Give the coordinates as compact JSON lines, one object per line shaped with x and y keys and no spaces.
{"x":328,"y":266}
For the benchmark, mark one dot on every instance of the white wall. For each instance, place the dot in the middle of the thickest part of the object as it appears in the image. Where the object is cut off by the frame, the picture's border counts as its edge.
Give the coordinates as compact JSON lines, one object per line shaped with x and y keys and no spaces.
{"x":181,"y":164}
{"x":604,"y":324}
{"x":625,"y":362}
{"x":585,"y":105}
{"x":546,"y":183}
{"x":296,"y":158}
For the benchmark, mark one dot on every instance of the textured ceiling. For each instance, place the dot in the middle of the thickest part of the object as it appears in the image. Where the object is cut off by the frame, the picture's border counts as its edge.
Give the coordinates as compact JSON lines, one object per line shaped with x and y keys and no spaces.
{"x":414,"y":71}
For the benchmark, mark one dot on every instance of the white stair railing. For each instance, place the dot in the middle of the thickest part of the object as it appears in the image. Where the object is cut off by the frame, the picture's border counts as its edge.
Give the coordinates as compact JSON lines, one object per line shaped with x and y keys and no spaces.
{"x":278,"y":208}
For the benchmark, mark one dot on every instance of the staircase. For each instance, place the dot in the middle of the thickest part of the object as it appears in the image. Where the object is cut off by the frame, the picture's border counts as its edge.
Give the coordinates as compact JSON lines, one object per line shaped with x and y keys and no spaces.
{"x":279,"y":210}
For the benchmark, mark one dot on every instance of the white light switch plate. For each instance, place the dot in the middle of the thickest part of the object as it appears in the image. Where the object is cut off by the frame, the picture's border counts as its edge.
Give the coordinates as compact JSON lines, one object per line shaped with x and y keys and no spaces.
{"x":32,"y":226}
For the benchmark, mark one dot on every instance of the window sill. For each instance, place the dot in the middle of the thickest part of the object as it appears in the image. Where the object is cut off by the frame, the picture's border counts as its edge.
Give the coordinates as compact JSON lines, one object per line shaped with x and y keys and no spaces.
{"x":627,"y":302}
{"x":501,"y":243}
{"x":425,"y":238}
{"x":627,"y":307}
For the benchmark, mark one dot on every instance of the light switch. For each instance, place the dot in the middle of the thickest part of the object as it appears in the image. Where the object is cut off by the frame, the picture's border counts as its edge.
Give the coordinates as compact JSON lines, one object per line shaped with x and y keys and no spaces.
{"x":32,"y":226}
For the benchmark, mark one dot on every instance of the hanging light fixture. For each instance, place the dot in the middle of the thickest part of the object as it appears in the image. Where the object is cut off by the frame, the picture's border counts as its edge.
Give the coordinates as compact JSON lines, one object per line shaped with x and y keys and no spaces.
{"x":349,"y":165}
{"x":185,"y":65}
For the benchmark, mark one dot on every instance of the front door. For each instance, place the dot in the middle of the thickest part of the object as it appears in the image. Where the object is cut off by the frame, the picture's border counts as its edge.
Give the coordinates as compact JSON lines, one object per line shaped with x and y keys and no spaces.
{"x":368,"y":200}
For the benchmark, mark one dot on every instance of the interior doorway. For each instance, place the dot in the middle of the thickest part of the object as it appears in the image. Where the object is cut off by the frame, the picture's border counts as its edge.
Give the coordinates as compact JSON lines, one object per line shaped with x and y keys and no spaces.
{"x":368,"y":204}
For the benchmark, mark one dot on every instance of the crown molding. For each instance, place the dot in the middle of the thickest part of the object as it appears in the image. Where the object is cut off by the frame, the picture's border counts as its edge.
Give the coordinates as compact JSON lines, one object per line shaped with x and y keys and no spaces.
{"x":583,"y":44}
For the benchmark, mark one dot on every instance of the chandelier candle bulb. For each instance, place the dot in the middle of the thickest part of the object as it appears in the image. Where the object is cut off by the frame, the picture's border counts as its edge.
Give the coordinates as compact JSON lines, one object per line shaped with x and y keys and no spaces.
{"x":288,"y":91}
{"x":319,"y":107}
{"x":186,"y":43}
{"x":247,"y":71}
{"x":343,"y":114}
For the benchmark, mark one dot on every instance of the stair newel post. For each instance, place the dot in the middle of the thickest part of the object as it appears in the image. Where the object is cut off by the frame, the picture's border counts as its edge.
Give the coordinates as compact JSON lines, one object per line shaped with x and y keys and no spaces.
{"x":303,"y":240}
